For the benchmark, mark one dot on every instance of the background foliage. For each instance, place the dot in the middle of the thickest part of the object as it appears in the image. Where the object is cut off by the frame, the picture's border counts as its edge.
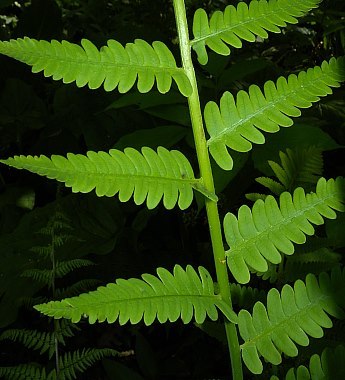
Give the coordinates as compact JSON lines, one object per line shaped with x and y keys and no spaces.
{"x":39,"y":116}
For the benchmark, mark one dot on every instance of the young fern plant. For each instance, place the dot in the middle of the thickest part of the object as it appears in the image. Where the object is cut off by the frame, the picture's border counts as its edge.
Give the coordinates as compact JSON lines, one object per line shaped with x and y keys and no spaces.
{"x":68,"y":365}
{"x":257,"y":237}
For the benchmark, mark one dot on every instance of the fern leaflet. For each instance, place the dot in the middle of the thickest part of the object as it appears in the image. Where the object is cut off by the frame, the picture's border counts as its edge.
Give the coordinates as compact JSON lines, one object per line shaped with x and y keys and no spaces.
{"x":113,"y":66}
{"x":182,"y":294}
{"x":146,"y":176}
{"x":244,"y":23}
{"x":290,"y":316}
{"x":237,"y":124}
{"x":257,"y":236}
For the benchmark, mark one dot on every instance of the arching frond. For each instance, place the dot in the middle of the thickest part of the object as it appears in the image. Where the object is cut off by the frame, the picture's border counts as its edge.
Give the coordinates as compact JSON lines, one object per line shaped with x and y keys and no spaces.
{"x":290,"y":316}
{"x":23,"y":372}
{"x":298,"y":167}
{"x":244,"y":23}
{"x":238,"y":124}
{"x":145,"y":176}
{"x":183,"y":294}
{"x":73,"y":363}
{"x":260,"y":235}
{"x":63,"y":268}
{"x":113,"y":66}
{"x":40,"y":340}
{"x":32,"y":339}
{"x":330,"y":366}
{"x":46,"y":276}
{"x":43,"y":251}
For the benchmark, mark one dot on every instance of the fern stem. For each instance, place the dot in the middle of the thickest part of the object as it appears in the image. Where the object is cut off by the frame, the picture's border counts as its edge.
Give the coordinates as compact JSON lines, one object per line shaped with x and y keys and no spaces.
{"x":53,"y":286}
{"x":206,"y":174}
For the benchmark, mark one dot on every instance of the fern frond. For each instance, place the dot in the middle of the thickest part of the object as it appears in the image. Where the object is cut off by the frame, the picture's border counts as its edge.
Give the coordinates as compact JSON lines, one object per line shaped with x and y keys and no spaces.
{"x":290,"y":316}
{"x":113,"y":65}
{"x":260,"y":235}
{"x":238,"y":124}
{"x":59,"y":221}
{"x":46,"y":276}
{"x":183,"y":294}
{"x":146,"y":176}
{"x":298,"y":167}
{"x":41,"y":340}
{"x":78,"y":362}
{"x":63,"y":268}
{"x":330,"y":366}
{"x":70,"y":366}
{"x":275,"y":187}
{"x":66,"y":328}
{"x":43,"y":251}
{"x":32,"y":339}
{"x":60,"y":239}
{"x":244,"y":23}
{"x":23,"y":372}
{"x":256,"y":196}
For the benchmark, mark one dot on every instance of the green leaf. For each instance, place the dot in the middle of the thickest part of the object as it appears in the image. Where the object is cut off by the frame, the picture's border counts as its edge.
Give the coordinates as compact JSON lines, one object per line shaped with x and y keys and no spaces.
{"x":113,"y":66}
{"x":259,"y":236}
{"x":145,"y":176}
{"x":290,"y":316}
{"x":183,"y":294}
{"x":244,"y":23}
{"x":238,"y":124}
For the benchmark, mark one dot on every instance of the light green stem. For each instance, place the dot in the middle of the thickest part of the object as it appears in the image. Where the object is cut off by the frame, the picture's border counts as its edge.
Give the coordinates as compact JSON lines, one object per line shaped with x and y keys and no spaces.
{"x":206,"y":174}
